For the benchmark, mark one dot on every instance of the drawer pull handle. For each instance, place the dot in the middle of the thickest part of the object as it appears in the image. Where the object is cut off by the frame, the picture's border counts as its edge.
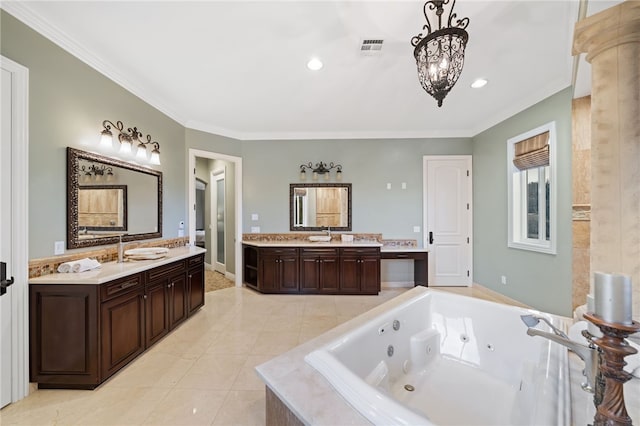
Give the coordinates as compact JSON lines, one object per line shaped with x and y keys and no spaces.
{"x":128,"y":284}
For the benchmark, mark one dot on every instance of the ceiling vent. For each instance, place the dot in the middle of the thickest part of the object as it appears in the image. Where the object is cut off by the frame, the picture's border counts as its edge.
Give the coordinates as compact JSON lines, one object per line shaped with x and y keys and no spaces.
{"x":371,"y":46}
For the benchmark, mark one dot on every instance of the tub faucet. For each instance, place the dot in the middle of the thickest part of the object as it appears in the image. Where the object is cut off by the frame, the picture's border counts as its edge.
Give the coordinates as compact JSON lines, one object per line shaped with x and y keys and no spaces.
{"x":589,"y":354}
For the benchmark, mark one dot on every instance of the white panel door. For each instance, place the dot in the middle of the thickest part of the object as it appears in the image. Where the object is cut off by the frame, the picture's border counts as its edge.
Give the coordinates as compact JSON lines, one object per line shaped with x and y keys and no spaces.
{"x":6,"y":300}
{"x":448,"y":219}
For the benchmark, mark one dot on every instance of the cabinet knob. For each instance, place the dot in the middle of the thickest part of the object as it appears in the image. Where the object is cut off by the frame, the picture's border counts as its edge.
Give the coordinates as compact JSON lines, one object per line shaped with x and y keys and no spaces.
{"x":144,"y":297}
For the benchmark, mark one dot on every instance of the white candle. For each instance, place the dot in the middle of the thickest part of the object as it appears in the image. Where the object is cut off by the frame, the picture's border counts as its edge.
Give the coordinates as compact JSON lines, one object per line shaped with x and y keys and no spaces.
{"x":591,"y":307}
{"x":613,"y":297}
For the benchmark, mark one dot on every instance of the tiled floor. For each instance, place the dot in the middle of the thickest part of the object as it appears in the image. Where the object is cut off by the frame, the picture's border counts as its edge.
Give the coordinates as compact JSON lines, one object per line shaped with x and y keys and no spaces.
{"x":202,"y":373}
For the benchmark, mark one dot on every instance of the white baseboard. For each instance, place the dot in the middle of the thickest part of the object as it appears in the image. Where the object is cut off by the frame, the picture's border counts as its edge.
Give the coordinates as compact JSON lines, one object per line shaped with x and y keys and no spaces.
{"x":396,"y":284}
{"x":230,"y":276}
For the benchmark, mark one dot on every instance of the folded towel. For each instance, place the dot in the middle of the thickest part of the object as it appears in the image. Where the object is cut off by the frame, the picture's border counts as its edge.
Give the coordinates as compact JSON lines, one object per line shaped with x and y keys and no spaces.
{"x":81,"y":265}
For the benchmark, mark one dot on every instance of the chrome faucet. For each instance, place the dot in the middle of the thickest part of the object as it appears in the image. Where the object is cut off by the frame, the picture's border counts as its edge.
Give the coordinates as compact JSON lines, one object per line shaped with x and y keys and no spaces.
{"x":328,"y":231}
{"x":121,"y":247}
{"x":590,"y":354}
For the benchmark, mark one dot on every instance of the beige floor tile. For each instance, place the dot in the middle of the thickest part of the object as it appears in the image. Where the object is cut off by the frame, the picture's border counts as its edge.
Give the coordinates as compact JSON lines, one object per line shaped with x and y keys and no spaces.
{"x":117,"y":406}
{"x":274,"y":342}
{"x":186,"y":407}
{"x":247,"y":378}
{"x":245,"y":408}
{"x":153,"y":369}
{"x":233,"y":342}
{"x":213,"y":372}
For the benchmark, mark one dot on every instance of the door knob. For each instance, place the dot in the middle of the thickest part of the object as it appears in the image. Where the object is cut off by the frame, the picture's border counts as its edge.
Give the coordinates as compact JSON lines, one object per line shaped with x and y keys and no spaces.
{"x":430,"y":237}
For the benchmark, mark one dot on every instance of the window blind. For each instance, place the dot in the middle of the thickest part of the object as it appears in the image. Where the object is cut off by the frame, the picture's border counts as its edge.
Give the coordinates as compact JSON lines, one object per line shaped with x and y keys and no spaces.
{"x":533,"y":152}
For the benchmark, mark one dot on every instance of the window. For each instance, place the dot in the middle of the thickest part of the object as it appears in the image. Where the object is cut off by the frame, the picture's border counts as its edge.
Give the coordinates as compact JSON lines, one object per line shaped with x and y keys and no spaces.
{"x":531,"y":171}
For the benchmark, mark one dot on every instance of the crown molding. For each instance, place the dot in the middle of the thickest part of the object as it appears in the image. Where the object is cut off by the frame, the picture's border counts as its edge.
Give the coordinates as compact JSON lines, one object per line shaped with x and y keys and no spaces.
{"x":21,"y":11}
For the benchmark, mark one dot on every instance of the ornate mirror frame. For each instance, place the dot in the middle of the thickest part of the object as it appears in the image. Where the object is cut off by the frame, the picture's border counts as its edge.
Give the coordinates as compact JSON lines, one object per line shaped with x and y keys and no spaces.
{"x":73,"y":241}
{"x":292,"y":187}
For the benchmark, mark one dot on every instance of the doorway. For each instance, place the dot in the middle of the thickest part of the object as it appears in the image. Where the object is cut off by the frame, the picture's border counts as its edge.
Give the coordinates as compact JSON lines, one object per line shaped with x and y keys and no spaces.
{"x":226,"y":243}
{"x":14,"y":208}
{"x":448,"y":218}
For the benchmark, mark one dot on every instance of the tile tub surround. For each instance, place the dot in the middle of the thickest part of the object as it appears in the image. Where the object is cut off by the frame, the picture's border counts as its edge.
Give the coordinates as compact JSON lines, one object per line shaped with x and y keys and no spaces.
{"x":49,"y":265}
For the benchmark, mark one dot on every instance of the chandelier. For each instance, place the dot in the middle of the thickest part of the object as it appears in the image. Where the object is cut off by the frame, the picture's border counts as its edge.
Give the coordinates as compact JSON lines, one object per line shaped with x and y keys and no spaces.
{"x":440,"y":52}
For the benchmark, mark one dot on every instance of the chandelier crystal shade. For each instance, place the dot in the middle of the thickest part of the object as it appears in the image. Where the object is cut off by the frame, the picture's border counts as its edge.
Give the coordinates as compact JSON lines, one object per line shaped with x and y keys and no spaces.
{"x":439,"y":53}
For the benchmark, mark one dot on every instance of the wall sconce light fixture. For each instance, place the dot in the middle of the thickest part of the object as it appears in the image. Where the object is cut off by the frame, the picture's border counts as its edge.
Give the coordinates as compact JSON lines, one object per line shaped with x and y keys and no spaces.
{"x":96,"y":173}
{"x":127,"y":140}
{"x":320,"y":169}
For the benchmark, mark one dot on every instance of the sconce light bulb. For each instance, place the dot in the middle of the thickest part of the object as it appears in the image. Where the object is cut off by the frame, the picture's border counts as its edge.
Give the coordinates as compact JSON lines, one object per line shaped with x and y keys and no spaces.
{"x":315,"y":175}
{"x":141,"y":153}
{"x":303,"y":175}
{"x":125,"y":147}
{"x":326,"y":176}
{"x":339,"y":175}
{"x":106,"y":140}
{"x":155,"y":157}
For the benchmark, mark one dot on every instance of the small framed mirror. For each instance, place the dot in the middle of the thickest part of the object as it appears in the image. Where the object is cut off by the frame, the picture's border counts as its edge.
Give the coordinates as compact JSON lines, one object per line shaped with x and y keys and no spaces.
{"x":107,"y":198}
{"x":316,"y":206}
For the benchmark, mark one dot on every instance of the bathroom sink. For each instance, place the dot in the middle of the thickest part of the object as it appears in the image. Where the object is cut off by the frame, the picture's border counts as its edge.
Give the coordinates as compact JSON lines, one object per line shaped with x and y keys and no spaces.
{"x":146,"y":253}
{"x":320,"y":238}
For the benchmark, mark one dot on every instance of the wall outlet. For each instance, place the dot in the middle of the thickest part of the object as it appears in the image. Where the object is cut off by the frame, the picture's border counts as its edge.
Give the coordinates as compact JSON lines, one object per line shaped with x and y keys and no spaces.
{"x":181,"y":224}
{"x":503,"y":280}
{"x":58,"y":247}
{"x":255,"y":229}
{"x":180,"y":232}
{"x":416,"y":229}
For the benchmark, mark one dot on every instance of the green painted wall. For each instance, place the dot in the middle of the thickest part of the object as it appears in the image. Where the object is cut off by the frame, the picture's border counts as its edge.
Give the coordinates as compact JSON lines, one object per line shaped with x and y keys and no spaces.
{"x":539,"y":280}
{"x":270,"y":166}
{"x":68,"y":100}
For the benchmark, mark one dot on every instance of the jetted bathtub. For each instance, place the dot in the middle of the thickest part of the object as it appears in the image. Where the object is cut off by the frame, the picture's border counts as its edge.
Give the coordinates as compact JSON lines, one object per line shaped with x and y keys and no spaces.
{"x":445,"y":359}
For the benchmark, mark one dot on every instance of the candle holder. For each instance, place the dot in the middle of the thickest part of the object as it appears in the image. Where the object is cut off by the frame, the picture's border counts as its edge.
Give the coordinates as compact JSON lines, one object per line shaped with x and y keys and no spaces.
{"x":612,"y":411}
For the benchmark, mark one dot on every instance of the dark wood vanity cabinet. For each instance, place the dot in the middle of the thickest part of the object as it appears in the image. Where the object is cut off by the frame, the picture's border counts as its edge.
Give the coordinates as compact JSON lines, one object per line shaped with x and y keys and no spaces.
{"x":360,"y":270}
{"x":312,"y":270}
{"x":319,"y":271}
{"x":277,"y":270}
{"x":81,"y":334}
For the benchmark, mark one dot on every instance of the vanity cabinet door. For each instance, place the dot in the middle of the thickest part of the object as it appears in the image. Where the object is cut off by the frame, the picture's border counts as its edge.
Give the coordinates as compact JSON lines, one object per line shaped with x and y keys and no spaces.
{"x":196,"y":289}
{"x":156,"y":312}
{"x":360,"y":270}
{"x":177,"y":300}
{"x":122,"y":330}
{"x":63,"y":336}
{"x":319,"y":270}
{"x":278,"y":270}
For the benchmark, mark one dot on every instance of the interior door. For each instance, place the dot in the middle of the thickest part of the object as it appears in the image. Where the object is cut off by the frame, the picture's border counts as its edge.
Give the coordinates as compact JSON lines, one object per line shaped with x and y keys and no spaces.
{"x":6,"y":298}
{"x":448,"y":219}
{"x":218,"y":209}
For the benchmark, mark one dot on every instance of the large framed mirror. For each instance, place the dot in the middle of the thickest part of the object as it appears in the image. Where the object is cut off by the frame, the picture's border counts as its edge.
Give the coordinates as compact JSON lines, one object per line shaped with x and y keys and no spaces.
{"x":316,"y":206}
{"x":107,"y":198}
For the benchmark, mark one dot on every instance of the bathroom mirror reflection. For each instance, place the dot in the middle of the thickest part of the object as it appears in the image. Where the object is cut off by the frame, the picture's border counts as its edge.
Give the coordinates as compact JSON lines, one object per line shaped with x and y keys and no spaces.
{"x":102,"y":208}
{"x":316,"y":206}
{"x":137,"y":195}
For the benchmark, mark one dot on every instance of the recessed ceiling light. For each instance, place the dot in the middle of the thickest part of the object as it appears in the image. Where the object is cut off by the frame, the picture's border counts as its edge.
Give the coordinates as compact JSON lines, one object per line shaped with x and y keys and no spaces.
{"x":481,"y":82}
{"x":314,"y":64}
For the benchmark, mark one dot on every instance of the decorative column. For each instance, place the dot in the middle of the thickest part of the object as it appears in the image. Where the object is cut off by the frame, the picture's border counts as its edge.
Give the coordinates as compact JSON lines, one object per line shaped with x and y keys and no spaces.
{"x":611,"y":40}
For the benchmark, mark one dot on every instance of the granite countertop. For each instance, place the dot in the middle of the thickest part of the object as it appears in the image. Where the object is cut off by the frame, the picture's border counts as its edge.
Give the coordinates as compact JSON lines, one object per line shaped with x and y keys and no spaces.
{"x":112,"y":270}
{"x":320,"y":244}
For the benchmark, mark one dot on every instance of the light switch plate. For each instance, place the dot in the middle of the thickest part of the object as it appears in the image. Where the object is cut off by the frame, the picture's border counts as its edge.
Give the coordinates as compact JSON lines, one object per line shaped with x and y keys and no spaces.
{"x":388,"y":186}
{"x":254,"y":216}
{"x":416,"y":229}
{"x":404,"y":185}
{"x":58,"y":247}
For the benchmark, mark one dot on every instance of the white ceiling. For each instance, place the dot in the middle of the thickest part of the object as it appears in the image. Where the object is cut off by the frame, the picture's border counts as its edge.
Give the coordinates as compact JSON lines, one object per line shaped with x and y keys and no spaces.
{"x":238,"y":68}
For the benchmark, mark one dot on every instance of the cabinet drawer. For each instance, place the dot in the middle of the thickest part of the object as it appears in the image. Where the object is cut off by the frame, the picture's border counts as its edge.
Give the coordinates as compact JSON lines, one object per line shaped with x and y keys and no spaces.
{"x":120,"y":286}
{"x":165,"y":270}
{"x":279,"y":251}
{"x":195,"y":261}
{"x":417,"y":255}
{"x":373,"y":251}
{"x":319,"y":252}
